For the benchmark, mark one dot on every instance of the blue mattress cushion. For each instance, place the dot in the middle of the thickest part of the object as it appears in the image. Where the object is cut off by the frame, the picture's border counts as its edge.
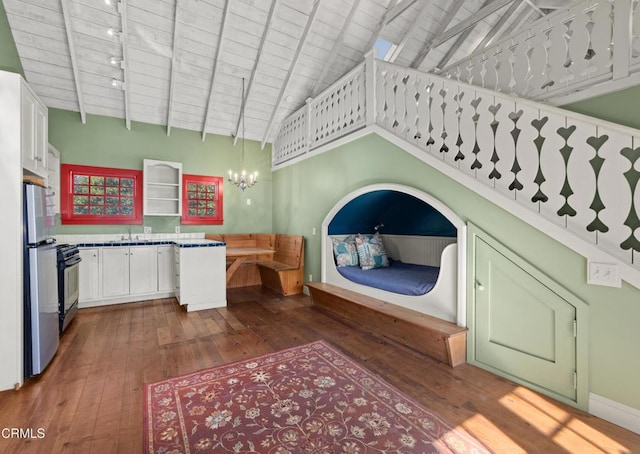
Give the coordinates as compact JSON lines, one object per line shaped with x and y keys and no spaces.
{"x":371,"y":252}
{"x":398,"y":277}
{"x":345,"y":251}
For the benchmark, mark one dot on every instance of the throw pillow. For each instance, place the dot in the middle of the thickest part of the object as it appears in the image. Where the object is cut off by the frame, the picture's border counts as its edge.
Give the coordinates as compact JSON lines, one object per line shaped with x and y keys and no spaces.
{"x":345,"y":251}
{"x":371,"y":252}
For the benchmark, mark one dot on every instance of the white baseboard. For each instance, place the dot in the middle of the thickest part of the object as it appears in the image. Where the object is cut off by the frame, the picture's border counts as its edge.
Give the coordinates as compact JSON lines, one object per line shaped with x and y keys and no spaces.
{"x":615,"y":412}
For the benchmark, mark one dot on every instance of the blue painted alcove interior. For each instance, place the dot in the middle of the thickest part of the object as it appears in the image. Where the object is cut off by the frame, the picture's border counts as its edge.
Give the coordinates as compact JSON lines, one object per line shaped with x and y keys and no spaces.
{"x":401,"y":214}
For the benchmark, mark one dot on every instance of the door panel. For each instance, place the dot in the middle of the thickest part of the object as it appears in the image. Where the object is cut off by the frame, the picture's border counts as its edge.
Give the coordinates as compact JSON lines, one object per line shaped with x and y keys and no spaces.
{"x":522,"y":327}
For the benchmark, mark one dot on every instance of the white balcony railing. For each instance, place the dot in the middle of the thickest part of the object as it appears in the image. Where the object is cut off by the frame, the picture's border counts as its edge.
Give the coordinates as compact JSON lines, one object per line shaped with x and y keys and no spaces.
{"x":574,"y":173}
{"x":566,"y":52}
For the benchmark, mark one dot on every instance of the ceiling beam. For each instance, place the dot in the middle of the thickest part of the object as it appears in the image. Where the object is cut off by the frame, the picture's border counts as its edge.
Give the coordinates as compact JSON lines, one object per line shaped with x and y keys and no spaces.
{"x":292,"y":68}
{"x":535,"y":7}
{"x":124,"y":36}
{"x":174,"y":64}
{"x":472,"y":20}
{"x":334,"y":50}
{"x":453,"y":10}
{"x":74,"y":60}
{"x":265,"y":35}
{"x":393,"y":11}
{"x":417,"y":20}
{"x":462,"y":37}
{"x":498,"y":27}
{"x":225,"y":18}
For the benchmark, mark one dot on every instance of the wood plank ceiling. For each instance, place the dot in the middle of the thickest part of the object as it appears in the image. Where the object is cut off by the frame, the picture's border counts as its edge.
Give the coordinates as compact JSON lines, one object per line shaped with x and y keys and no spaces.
{"x":180,"y":63}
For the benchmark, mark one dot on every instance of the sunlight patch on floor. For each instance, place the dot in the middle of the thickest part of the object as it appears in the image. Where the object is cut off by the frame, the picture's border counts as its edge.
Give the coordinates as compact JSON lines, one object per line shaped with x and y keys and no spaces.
{"x":490,"y":435}
{"x":566,"y":431}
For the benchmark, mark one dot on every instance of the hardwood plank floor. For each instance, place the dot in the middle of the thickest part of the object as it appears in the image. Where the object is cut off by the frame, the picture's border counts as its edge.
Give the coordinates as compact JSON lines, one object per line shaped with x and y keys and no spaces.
{"x":89,"y":400}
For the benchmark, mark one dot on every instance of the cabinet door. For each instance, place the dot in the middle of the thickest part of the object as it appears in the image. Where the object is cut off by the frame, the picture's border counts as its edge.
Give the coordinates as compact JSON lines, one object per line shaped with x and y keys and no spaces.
{"x":115,"y":271}
{"x":165,"y":268}
{"x":143,"y":266}
{"x":89,"y":275}
{"x":28,"y":134}
{"x":41,"y":139}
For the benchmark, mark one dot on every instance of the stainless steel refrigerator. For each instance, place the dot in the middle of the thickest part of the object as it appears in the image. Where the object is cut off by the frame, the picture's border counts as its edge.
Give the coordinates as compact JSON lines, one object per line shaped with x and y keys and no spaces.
{"x":40,"y":280}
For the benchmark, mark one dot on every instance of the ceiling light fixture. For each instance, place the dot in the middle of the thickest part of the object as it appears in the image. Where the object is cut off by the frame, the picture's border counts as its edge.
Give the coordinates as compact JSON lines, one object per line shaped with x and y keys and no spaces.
{"x":242,"y":180}
{"x":116,"y":83}
{"x":116,"y":61}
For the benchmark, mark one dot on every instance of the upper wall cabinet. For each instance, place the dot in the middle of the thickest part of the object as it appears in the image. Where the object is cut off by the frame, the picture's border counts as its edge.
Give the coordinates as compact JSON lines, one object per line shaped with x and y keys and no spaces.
{"x":34,"y":132}
{"x":162,"y":188}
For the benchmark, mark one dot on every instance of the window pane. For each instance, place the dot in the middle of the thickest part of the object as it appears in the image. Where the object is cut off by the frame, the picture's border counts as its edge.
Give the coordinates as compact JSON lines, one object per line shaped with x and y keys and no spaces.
{"x":97,"y":210}
{"x":211,"y":188}
{"x":211,"y":204}
{"x":192,"y":204}
{"x":191,"y":187}
{"x":97,"y":181}
{"x":211,"y":212}
{"x":211,"y":195}
{"x":80,"y":210}
{"x":192,"y":195}
{"x":202,"y":204}
{"x":202,"y":212}
{"x":112,"y":191}
{"x":128,"y":182}
{"x":193,"y":212}
{"x":112,"y":200}
{"x":80,"y":200}
{"x":112,"y":211}
{"x":126,"y":202}
{"x":77,"y":189}
{"x":113,"y":181}
{"x":97,"y":190}
{"x":201,"y":187}
{"x":80,"y":179}
{"x":126,"y":211}
{"x":126,"y":191}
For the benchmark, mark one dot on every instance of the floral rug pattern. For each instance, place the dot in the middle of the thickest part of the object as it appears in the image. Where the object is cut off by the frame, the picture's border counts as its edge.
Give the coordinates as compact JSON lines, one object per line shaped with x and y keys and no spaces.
{"x":307,"y":399}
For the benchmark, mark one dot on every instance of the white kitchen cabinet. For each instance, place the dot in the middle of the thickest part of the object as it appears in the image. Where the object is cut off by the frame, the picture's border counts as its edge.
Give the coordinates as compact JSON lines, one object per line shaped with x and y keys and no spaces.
{"x":162,"y":188}
{"x":201,"y":277}
{"x":34,"y":132}
{"x":115,"y":271}
{"x":53,"y":175}
{"x":15,"y":128}
{"x":165,"y":268}
{"x":89,"y":275}
{"x":143,"y":270}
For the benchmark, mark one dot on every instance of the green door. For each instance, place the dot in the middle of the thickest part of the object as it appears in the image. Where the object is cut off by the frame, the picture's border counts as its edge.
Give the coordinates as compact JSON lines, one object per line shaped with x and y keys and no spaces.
{"x":523,"y":330}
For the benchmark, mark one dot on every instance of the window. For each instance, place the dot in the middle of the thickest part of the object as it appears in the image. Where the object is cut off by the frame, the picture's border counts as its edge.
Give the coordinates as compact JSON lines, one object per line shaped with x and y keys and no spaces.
{"x":100,"y":195}
{"x":201,"y":199}
{"x":384,"y":49}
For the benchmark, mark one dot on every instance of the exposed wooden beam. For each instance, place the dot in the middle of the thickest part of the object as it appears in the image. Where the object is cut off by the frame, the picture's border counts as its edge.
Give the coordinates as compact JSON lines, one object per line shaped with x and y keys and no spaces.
{"x":174,"y":64}
{"x":334,"y":50}
{"x":535,"y":7}
{"x":498,"y":27}
{"x":472,"y":20}
{"x":451,"y":13}
{"x":517,"y":23}
{"x":393,"y":11}
{"x":74,"y":60}
{"x":225,"y":18}
{"x":124,"y":36}
{"x":408,"y":33}
{"x":292,"y":68}
{"x":462,"y":37}
{"x":265,"y":35}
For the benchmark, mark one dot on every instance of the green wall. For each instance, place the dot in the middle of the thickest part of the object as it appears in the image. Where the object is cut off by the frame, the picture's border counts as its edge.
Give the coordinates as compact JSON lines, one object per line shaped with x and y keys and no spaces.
{"x":105,"y":141}
{"x":9,"y":59}
{"x":303,"y":194}
{"x":620,"y":107}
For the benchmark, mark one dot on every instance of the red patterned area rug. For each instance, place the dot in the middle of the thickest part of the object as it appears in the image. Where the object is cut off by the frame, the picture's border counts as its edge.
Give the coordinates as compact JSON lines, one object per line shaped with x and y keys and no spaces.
{"x":307,"y":399}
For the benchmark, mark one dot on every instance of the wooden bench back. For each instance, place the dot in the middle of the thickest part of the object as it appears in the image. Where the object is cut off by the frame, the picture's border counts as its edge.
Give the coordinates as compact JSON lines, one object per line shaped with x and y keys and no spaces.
{"x":248,"y":240}
{"x":289,"y":250}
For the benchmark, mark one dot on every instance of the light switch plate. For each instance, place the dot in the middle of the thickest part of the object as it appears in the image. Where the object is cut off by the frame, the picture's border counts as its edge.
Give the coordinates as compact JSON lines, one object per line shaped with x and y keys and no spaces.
{"x":600,"y":273}
{"x":147,"y":229}
{"x":177,"y":229}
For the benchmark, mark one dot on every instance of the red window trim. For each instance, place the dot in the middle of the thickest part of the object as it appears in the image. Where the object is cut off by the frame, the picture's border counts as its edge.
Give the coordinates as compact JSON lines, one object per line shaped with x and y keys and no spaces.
{"x":67,"y":172}
{"x":202,"y":179}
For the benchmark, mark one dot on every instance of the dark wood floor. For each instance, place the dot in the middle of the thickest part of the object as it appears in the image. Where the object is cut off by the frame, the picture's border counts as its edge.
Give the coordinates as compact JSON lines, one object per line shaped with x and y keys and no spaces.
{"x":89,"y":400}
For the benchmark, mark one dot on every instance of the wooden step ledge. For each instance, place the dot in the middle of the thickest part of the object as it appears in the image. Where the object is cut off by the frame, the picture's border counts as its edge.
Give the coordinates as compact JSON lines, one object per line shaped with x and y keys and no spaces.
{"x":437,"y":338}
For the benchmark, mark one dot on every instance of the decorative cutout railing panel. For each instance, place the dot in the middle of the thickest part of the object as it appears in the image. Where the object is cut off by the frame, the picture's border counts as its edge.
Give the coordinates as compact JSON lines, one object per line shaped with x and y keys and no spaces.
{"x":293,"y":138}
{"x":581,"y":174}
{"x":561,"y":53}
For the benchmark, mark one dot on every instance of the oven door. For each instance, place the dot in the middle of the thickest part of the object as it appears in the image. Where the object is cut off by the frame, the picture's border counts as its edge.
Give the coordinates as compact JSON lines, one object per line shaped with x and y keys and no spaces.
{"x":71,"y":285}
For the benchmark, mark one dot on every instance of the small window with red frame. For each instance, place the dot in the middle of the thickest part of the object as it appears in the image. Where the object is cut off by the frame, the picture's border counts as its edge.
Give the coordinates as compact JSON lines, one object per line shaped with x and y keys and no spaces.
{"x":201,"y":199}
{"x":100,"y":195}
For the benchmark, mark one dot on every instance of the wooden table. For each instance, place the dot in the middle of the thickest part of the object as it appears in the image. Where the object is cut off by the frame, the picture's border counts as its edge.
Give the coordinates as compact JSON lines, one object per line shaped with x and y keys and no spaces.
{"x":236,"y":256}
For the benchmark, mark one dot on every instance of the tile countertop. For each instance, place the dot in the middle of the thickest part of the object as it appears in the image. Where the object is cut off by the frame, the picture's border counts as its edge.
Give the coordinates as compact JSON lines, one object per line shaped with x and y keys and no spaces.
{"x":183,"y":243}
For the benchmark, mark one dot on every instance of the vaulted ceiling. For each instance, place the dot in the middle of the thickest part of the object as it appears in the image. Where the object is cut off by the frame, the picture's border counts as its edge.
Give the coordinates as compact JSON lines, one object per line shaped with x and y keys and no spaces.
{"x":180,"y":63}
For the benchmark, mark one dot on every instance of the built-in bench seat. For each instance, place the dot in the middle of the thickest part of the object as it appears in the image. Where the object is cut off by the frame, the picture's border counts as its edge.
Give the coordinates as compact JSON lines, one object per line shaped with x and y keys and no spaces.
{"x":437,"y":338}
{"x":282,"y":271}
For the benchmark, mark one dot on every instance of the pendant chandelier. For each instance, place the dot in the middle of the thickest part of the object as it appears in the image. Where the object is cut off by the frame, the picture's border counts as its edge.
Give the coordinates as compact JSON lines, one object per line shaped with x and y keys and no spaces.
{"x":242,"y":180}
